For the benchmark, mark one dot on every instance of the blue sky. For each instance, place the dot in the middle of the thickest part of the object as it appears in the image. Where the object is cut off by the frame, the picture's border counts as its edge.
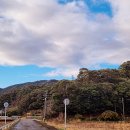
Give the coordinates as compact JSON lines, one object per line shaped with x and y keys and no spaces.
{"x":11,"y":75}
{"x":100,"y":6}
{"x":42,"y":40}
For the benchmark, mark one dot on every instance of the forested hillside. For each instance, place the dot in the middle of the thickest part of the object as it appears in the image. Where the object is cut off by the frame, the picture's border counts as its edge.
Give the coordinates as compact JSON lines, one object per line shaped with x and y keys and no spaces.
{"x":91,"y":93}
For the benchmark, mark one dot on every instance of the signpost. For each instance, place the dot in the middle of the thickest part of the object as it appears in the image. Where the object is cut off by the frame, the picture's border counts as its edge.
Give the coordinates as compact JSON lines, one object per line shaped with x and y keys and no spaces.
{"x":6,"y":104}
{"x":66,"y":102}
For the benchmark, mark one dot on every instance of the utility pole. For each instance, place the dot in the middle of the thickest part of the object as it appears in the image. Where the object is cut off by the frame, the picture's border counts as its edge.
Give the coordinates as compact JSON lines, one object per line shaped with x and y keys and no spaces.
{"x":45,"y":106}
{"x":123,"y":108}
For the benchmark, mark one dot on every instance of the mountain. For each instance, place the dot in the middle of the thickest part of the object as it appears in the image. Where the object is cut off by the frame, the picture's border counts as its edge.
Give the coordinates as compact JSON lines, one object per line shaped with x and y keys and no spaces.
{"x":17,"y":95}
{"x":35,"y":83}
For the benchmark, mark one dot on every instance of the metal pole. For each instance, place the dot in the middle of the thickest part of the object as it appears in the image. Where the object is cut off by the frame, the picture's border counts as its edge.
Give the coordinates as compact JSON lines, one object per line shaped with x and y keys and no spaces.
{"x":5,"y":116}
{"x":123,"y":107}
{"x":65,"y":116}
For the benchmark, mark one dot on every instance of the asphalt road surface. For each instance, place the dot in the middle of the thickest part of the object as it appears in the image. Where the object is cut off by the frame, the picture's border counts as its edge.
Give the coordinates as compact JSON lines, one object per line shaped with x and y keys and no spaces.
{"x":28,"y":124}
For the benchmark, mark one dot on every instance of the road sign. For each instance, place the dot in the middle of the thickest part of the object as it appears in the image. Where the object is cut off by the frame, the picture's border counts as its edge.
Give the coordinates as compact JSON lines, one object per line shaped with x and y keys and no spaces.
{"x":66,"y":101}
{"x":6,"y":104}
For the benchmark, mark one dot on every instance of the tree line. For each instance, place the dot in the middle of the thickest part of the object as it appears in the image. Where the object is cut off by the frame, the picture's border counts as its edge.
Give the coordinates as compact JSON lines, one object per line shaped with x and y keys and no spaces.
{"x":92,"y":93}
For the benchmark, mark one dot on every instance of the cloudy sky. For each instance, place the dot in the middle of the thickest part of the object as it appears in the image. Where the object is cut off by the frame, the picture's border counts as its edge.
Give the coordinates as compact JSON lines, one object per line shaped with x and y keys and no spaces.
{"x":47,"y":39}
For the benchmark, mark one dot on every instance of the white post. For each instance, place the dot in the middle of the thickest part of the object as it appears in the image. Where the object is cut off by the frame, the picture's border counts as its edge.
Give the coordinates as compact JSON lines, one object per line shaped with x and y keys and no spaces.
{"x":5,"y":115}
{"x":65,"y":115}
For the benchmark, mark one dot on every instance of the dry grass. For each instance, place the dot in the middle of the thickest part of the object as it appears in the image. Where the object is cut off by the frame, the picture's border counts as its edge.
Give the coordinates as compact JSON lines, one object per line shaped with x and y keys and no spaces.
{"x":76,"y":125}
{"x":2,"y":123}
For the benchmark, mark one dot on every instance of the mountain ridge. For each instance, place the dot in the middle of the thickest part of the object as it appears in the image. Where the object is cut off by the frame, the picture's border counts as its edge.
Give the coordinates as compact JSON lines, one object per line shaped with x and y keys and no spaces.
{"x":33,"y":83}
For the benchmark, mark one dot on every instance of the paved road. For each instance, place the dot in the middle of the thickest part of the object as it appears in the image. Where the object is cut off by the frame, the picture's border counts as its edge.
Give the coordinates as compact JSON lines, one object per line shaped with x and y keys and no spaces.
{"x":28,"y":124}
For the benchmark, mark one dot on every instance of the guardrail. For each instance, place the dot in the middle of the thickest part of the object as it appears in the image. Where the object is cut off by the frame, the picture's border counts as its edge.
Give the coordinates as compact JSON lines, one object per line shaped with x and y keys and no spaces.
{"x":9,"y":125}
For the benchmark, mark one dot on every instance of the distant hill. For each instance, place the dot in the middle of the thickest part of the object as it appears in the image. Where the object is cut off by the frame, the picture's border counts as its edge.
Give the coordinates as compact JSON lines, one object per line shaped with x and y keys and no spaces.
{"x":35,"y":83}
{"x":17,"y":94}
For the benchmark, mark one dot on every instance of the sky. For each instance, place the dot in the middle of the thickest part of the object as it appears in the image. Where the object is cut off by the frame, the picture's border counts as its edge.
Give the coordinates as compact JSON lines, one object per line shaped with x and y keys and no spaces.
{"x":52,"y":39}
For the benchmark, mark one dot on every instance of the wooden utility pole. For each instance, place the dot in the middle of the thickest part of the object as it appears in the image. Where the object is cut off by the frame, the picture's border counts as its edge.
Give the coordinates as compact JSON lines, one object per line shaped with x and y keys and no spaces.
{"x":45,"y":106}
{"x":123,"y":108}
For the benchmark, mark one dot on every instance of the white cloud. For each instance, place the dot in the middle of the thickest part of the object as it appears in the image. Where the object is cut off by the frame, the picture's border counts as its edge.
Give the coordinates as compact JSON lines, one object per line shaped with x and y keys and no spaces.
{"x":46,"y":33}
{"x":65,"y":72}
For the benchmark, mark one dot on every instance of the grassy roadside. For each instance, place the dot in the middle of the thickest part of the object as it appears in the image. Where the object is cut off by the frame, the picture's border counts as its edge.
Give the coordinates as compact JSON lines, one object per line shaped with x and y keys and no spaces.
{"x":10,"y":128}
{"x":77,"y":125}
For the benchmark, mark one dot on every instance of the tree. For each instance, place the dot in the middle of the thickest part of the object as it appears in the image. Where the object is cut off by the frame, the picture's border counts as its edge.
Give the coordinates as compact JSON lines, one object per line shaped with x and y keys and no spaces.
{"x":109,"y":116}
{"x":125,"y":69}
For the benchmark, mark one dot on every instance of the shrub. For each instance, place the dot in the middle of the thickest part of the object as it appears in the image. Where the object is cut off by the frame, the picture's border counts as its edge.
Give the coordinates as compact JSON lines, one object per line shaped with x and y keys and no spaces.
{"x":109,"y":116}
{"x":13,"y":111}
{"x":78,"y":116}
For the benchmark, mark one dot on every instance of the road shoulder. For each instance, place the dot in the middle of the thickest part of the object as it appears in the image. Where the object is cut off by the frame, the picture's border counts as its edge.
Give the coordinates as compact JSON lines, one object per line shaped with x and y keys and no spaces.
{"x":45,"y":125}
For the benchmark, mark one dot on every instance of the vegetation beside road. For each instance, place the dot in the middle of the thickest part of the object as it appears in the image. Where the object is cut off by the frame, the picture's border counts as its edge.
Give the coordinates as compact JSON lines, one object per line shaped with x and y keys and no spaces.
{"x":77,"y":125}
{"x":2,"y":123}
